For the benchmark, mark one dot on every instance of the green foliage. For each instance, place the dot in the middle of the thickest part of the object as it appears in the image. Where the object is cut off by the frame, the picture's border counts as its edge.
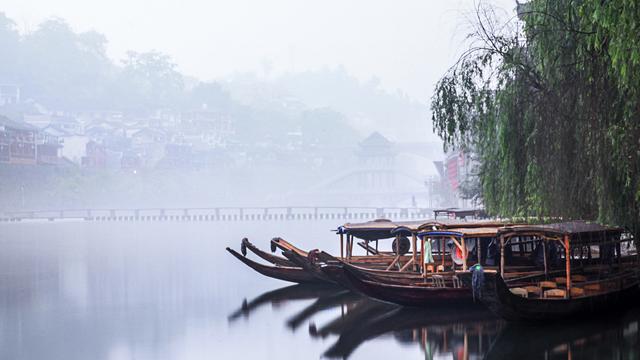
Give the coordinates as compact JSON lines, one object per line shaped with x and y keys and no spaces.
{"x":555,"y":123}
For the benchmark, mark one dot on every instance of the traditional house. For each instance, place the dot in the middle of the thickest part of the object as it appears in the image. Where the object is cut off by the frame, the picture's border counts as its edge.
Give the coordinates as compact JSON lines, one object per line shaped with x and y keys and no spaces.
{"x":47,"y":148}
{"x":17,"y":142}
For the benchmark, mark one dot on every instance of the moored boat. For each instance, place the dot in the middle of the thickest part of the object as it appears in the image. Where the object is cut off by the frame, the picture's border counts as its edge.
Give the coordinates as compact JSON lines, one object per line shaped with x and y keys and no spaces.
{"x":586,"y":269}
{"x":275,"y":260}
{"x":432,"y":286}
{"x":285,"y":273}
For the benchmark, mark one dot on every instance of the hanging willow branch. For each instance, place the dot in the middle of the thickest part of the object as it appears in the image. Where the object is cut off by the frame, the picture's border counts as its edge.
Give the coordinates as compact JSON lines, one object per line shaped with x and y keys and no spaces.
{"x":550,"y":104}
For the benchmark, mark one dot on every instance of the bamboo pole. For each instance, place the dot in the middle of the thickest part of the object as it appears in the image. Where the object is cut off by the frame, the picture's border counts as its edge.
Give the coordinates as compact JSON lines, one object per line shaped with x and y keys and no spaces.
{"x":544,"y":256}
{"x":567,"y":252}
{"x":351,"y":247}
{"x":502,"y":256}
{"x":414,"y":240}
{"x":479,"y":250}
{"x":442,"y":252}
{"x":424,"y":268}
{"x":464,"y":254}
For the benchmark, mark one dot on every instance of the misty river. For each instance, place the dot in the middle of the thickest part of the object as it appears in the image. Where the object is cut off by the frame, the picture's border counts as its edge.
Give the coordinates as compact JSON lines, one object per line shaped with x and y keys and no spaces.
{"x":169,"y":290}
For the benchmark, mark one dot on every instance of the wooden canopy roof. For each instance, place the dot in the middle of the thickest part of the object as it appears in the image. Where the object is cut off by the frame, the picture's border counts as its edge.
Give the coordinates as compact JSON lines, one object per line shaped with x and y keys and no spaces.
{"x":463,"y":232}
{"x":377,"y":229}
{"x":578,"y":230}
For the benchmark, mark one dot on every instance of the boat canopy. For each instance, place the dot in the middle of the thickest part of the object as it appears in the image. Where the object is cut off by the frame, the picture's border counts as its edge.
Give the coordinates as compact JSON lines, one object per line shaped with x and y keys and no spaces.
{"x":453,"y":224}
{"x":578,"y":231}
{"x":375,"y":230}
{"x":463,"y":232}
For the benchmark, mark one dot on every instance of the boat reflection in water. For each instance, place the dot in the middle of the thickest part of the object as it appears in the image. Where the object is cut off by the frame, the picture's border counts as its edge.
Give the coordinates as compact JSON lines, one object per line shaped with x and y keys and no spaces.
{"x":445,"y":332}
{"x":613,"y":338}
{"x":463,"y":333}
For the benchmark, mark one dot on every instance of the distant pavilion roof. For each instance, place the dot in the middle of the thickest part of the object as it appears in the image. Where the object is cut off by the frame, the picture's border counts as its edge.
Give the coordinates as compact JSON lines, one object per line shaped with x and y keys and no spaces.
{"x":376,"y":145}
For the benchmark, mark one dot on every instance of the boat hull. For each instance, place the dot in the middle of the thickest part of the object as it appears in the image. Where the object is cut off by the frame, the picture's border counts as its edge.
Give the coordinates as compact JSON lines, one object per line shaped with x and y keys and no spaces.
{"x":407,"y":295}
{"x":500,"y":300}
{"x":290,"y":274}
{"x":273,"y":259}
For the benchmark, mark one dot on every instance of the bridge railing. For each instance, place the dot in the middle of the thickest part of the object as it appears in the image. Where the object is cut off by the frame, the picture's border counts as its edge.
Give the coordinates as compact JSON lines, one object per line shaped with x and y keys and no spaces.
{"x":222,"y":214}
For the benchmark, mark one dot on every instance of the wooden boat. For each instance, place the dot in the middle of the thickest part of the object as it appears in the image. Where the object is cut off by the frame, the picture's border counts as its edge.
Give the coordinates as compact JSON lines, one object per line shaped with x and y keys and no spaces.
{"x":300,"y":261}
{"x":285,"y":273}
{"x":373,"y":261}
{"x":282,"y":244}
{"x":598,"y":276}
{"x":401,"y":232}
{"x":457,"y":243}
{"x":434,"y":291}
{"x":275,"y":260}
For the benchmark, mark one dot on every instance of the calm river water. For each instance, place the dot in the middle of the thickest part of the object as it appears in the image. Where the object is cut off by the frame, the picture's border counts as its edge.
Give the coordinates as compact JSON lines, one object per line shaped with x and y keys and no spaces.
{"x":80,"y":290}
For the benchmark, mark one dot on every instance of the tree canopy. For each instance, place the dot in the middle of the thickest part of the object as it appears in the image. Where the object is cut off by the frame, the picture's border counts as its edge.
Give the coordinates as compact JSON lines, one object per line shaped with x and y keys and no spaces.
{"x":549,"y":103}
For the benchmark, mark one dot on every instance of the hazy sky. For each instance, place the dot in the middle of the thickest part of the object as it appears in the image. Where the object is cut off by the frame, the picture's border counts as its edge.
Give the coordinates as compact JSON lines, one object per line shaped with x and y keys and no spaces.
{"x":407,"y":44}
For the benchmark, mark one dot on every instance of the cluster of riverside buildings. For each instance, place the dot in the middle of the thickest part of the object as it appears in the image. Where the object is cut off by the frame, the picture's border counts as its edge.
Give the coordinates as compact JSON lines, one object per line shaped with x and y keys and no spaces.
{"x":204,"y":139}
{"x":103,"y":139}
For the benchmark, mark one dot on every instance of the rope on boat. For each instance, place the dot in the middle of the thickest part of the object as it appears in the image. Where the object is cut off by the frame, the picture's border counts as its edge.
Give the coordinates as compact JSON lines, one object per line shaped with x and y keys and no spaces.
{"x":477,"y":281}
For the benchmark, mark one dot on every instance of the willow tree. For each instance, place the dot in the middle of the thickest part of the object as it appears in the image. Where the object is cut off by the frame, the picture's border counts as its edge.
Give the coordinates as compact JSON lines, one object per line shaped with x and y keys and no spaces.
{"x":549,"y":102}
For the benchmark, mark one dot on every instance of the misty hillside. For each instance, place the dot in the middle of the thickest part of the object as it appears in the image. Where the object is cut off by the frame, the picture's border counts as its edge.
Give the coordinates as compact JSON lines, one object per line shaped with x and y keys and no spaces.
{"x":148,"y":134}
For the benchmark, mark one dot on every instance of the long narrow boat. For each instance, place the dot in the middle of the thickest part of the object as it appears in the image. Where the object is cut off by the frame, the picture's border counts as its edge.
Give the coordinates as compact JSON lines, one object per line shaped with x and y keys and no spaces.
{"x":598,"y":276}
{"x":290,"y":270}
{"x":285,"y":273}
{"x":275,"y":260}
{"x":419,"y":294}
{"x":453,"y":247}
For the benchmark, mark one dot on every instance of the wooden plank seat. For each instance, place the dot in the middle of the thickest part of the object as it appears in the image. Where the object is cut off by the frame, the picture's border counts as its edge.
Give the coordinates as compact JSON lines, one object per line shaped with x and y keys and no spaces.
{"x":561,"y":280}
{"x":555,"y":294}
{"x":520,"y":292}
{"x":593,"y":287}
{"x":578,"y":278}
{"x":533,"y":290}
{"x":547,"y":285}
{"x":577,"y":292}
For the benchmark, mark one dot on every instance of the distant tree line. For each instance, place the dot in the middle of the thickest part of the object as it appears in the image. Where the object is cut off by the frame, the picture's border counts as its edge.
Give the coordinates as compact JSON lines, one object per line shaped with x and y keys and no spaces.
{"x":69,"y":71}
{"x":550,"y":103}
